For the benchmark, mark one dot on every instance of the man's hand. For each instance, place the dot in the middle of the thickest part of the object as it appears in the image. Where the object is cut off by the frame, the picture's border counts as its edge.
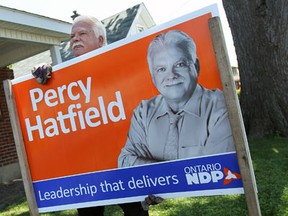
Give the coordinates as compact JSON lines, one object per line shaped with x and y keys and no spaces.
{"x":42,"y":73}
{"x":151,"y":200}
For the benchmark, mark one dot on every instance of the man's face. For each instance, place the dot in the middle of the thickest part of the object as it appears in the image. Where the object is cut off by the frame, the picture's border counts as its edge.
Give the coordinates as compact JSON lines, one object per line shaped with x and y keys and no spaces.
{"x":173,"y":75}
{"x":83,"y":38}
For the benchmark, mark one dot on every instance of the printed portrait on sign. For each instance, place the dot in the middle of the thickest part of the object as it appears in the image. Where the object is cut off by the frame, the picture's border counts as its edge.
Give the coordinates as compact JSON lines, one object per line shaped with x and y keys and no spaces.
{"x":186,"y":119}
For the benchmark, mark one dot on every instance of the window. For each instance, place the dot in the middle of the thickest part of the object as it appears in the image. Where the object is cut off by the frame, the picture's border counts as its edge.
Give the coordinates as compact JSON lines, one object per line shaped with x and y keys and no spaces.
{"x":140,"y":28}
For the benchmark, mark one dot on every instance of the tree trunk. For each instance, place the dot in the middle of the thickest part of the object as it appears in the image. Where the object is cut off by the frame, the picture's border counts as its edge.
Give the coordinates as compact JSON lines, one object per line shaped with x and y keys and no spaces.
{"x":260,"y":34}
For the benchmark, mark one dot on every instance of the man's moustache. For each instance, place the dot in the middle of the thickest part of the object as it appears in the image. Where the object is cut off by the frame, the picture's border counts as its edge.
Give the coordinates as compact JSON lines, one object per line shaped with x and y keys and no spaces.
{"x":77,"y":44}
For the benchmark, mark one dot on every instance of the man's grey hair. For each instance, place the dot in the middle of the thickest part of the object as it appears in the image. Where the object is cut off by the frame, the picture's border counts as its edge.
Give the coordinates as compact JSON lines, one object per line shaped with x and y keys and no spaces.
{"x":179,"y":38}
{"x":98,"y":27}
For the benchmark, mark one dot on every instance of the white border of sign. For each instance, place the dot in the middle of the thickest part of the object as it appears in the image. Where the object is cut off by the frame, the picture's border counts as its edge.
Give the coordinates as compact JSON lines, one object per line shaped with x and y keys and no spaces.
{"x":212,"y":8}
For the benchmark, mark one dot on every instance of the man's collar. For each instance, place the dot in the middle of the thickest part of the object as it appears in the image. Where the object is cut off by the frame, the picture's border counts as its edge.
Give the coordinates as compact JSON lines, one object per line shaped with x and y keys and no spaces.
{"x":193,"y":104}
{"x":191,"y":107}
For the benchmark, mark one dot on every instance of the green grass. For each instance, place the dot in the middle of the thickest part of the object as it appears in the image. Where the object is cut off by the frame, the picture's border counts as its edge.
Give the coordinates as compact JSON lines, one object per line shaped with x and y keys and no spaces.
{"x":270,"y":162}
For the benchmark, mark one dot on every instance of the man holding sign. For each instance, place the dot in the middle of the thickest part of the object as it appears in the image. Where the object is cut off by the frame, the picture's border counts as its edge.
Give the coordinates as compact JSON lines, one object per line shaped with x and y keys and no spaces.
{"x":88,"y":34}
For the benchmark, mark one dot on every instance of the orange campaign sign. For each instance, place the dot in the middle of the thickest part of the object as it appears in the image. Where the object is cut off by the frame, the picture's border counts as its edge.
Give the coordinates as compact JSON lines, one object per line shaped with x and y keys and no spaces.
{"x":78,"y":122}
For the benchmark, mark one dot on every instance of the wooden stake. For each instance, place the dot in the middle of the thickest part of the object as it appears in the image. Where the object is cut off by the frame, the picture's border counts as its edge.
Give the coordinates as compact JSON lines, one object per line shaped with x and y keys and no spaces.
{"x":20,"y":147}
{"x":235,"y":116}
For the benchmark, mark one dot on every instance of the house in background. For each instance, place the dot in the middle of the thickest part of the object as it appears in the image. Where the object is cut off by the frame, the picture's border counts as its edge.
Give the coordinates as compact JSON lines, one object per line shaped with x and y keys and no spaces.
{"x":119,"y":26}
{"x":22,"y":35}
{"x":28,"y":39}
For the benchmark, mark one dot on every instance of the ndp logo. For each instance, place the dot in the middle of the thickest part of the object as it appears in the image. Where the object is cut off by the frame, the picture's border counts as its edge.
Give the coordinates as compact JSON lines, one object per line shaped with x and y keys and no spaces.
{"x":204,"y":174}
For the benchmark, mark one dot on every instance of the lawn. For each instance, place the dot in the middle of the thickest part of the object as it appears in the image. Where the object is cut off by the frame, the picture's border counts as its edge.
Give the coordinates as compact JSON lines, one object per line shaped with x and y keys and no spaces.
{"x":270,"y":161}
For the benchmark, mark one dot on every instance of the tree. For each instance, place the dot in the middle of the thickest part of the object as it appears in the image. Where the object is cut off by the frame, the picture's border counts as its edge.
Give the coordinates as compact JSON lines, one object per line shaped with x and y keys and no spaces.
{"x":260,"y":34}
